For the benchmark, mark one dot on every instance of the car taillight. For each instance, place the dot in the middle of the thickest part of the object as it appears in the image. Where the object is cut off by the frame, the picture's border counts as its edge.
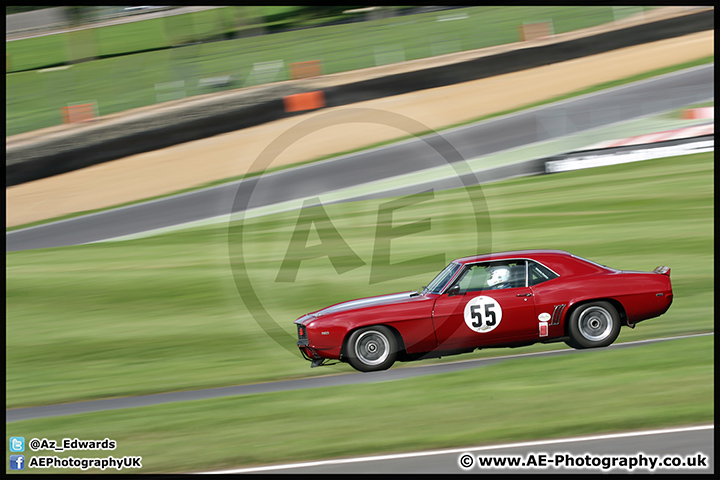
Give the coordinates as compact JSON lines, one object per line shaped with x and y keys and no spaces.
{"x":302,"y":332}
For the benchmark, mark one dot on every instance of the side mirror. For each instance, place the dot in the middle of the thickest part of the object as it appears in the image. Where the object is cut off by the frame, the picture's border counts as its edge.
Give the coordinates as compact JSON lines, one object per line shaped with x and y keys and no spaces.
{"x":454,"y":290}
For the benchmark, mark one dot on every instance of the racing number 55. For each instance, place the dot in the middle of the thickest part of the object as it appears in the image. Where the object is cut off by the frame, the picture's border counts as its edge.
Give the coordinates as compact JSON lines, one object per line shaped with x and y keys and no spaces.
{"x":483,"y":314}
{"x":489,"y":318}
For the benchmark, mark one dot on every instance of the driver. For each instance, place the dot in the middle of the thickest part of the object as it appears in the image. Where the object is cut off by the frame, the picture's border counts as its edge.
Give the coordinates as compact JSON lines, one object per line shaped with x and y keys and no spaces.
{"x":499,"y":277}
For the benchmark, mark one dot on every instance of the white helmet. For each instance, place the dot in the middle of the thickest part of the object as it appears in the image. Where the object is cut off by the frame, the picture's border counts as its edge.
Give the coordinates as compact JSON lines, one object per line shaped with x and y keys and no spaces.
{"x":498,"y":275}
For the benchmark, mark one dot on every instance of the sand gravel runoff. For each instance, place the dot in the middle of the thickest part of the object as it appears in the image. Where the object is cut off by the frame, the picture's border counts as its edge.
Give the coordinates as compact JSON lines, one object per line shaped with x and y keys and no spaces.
{"x":211,"y":159}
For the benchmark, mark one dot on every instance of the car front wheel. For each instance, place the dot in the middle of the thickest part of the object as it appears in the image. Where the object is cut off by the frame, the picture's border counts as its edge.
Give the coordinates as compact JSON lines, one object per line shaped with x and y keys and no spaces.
{"x":595,"y":324}
{"x":372,"y":349}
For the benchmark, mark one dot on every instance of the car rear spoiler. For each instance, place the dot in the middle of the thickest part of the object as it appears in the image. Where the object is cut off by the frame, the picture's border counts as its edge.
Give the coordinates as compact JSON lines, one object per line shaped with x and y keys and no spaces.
{"x":663,"y":270}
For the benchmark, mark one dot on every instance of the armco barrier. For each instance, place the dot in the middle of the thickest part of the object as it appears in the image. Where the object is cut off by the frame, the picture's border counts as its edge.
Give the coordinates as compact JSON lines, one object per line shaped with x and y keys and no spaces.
{"x":54,"y":157}
{"x":517,"y":60}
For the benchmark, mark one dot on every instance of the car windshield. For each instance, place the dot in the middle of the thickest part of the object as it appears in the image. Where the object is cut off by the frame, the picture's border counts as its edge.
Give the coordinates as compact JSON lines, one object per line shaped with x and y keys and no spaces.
{"x":443,"y":278}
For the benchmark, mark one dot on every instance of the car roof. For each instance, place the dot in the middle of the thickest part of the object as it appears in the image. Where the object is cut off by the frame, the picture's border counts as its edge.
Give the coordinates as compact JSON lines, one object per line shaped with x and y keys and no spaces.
{"x":538,"y":255}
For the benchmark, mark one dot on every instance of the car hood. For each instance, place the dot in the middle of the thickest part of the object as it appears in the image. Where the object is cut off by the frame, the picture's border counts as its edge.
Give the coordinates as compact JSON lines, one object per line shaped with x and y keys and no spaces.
{"x":363,"y":303}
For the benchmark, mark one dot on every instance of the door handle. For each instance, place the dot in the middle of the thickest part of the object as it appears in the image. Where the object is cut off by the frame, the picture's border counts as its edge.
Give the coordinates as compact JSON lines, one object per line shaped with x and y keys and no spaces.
{"x":524,"y":295}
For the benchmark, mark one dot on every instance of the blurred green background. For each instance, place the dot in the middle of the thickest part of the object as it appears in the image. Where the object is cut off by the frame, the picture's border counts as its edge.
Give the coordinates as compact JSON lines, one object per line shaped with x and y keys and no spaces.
{"x":163,"y":314}
{"x":120,"y":67}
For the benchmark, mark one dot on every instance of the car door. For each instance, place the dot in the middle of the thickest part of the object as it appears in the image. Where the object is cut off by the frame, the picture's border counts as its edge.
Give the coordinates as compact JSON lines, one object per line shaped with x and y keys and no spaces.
{"x":473,"y":312}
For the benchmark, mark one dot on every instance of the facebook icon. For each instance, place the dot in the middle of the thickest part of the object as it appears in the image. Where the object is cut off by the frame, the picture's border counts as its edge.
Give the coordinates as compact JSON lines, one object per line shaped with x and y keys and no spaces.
{"x":17,"y":462}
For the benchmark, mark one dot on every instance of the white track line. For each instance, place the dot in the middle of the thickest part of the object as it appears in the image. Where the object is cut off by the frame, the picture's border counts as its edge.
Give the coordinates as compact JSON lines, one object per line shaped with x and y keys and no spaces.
{"x":466,"y":449}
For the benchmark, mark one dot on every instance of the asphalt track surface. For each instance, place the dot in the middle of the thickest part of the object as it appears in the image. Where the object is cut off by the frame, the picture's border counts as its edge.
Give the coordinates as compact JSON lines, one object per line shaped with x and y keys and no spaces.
{"x":556,"y":120}
{"x":29,"y":413}
{"x":569,"y":455}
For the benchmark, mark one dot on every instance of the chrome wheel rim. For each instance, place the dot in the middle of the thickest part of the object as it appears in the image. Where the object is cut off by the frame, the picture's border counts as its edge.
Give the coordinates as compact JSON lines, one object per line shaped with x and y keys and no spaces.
{"x":372,"y":348}
{"x":595,"y":324}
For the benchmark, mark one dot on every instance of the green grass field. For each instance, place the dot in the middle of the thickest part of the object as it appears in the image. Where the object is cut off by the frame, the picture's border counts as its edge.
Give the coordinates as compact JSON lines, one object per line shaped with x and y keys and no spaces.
{"x":35,"y":97}
{"x":594,"y":392}
{"x":500,"y":25}
{"x":163,"y":314}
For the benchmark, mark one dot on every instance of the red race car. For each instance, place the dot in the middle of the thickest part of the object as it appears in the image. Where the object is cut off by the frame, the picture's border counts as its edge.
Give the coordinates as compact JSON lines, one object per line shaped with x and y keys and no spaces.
{"x":496,"y":300}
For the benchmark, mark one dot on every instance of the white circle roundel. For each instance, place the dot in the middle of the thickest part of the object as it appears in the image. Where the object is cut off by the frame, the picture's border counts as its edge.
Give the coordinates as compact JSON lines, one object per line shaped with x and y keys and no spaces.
{"x":483,"y":314}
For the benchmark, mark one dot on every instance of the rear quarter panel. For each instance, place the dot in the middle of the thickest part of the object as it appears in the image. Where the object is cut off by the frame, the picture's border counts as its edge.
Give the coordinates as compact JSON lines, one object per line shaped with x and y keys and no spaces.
{"x":641,"y":295}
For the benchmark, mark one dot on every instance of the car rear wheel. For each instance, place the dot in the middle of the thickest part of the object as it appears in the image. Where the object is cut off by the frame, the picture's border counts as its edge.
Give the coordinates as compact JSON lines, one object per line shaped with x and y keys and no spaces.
{"x":372,"y":349}
{"x":594,"y":324}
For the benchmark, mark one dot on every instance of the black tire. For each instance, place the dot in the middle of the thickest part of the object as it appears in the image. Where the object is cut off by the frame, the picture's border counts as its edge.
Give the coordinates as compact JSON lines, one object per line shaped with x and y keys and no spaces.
{"x":371,"y":349}
{"x":592,"y":325}
{"x":570,"y":343}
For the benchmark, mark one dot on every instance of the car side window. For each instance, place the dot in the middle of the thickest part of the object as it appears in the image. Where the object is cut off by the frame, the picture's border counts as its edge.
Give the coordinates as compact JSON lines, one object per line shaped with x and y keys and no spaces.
{"x":473,"y":278}
{"x":492,"y":276}
{"x":539,"y":273}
